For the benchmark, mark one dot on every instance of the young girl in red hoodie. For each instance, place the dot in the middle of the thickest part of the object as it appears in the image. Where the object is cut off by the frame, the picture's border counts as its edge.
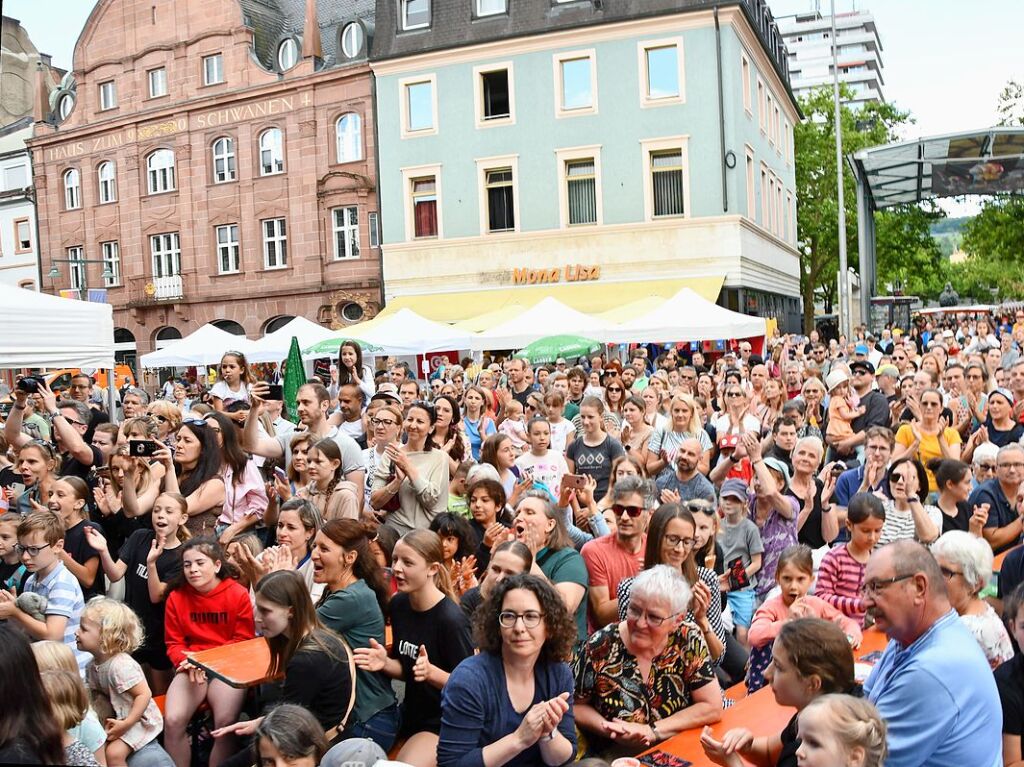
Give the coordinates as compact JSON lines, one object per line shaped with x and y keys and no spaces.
{"x":206,"y":608}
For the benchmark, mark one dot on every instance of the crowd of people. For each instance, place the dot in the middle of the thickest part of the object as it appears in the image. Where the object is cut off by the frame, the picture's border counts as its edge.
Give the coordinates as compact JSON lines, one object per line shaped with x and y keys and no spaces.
{"x":524,"y":564}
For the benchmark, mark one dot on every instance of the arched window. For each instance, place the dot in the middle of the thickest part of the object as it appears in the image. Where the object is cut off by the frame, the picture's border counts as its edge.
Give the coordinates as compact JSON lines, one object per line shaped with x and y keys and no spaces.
{"x":72,"y":189}
{"x":287,"y":54}
{"x":223,"y":160}
{"x":352,"y":39}
{"x":160,"y":171}
{"x":271,"y":152}
{"x":65,"y":105}
{"x":108,"y":182}
{"x":350,"y":137}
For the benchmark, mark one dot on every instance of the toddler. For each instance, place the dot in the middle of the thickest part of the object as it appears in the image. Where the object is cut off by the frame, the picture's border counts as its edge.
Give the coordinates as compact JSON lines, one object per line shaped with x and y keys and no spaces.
{"x":842,"y":407}
{"x":514,"y":425}
{"x":110,"y":631}
{"x":841,"y":730}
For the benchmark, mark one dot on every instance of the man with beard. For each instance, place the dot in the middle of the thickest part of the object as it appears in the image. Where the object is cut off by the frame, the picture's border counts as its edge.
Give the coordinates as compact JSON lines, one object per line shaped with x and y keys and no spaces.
{"x":687,"y":483}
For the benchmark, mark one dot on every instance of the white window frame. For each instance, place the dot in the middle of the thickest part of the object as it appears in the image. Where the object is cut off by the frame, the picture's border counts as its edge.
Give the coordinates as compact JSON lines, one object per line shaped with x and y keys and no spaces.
{"x":229,"y":248}
{"x":65,"y":105}
{"x":776,"y":127}
{"x":373,"y":227}
{"x":486,"y":14}
{"x":745,"y":81}
{"x":646,"y":100}
{"x":345,"y":39}
{"x":571,"y":154}
{"x":290,"y":45}
{"x":402,"y":16}
{"x":478,"y":94}
{"x":357,"y":145}
{"x":111,"y":254}
{"x":18,"y":240}
{"x":223,"y":153}
{"x":76,"y":267}
{"x":278,"y":237}
{"x":556,"y":61}
{"x":16,"y":177}
{"x":765,"y":210}
{"x":403,"y":105}
{"x":751,"y":175}
{"x":216,"y":76}
{"x":165,"y":251}
{"x":72,"y":189}
{"x":160,"y":180}
{"x":108,"y":95}
{"x":647,"y":146}
{"x":107,"y":185}
{"x":161,"y":78}
{"x":761,"y":119}
{"x":410,"y":174}
{"x":483,"y":165}
{"x":261,"y":149}
{"x":352,"y":248}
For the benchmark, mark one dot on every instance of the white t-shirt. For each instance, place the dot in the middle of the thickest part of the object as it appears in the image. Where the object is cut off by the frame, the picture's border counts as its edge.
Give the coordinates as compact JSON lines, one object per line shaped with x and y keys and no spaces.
{"x":228,"y":395}
{"x":548,"y":468}
{"x":561,"y":434}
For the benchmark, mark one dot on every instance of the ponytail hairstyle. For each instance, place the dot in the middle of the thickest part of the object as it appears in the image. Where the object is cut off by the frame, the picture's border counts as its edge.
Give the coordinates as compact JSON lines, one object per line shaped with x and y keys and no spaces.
{"x":182,"y":502}
{"x":947,"y":470}
{"x":820,"y":648}
{"x":244,"y":374}
{"x":855,"y":722}
{"x":209,"y":546}
{"x":354,"y":536}
{"x":862,"y":506}
{"x":427,"y":544}
{"x":82,"y":492}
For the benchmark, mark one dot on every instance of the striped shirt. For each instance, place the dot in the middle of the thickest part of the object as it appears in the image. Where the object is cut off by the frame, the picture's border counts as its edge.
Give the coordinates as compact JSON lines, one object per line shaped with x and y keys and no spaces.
{"x":840,"y":577}
{"x":64,"y":598}
{"x":899,"y":525}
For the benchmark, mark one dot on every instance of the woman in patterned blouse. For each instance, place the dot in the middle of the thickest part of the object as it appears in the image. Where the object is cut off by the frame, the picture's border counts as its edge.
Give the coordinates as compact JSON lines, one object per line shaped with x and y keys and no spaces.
{"x":649,"y":677}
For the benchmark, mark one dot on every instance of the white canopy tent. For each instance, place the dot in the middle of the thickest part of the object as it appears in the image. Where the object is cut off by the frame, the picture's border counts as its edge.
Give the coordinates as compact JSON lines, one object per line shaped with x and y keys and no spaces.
{"x":43,"y":331}
{"x":542,"y":319}
{"x":686,"y":316}
{"x":273,"y":347}
{"x":405,"y":333}
{"x":203,"y":347}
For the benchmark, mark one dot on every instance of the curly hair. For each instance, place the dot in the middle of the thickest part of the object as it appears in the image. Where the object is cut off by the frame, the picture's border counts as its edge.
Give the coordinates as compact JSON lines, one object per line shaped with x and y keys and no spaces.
{"x":120,"y":628}
{"x":560,"y":627}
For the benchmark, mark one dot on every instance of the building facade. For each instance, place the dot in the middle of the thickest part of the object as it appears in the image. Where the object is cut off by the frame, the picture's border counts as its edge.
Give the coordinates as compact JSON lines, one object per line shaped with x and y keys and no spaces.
{"x":808,"y":39}
{"x":214,"y":161}
{"x":602,"y":153}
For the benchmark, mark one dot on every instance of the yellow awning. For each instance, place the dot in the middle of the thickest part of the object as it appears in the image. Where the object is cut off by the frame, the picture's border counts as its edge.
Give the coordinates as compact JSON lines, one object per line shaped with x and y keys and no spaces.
{"x":478,"y":310}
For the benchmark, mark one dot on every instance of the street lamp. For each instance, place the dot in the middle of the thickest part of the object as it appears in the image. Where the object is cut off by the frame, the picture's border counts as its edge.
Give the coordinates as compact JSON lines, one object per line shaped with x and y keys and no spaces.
{"x":107,"y":274}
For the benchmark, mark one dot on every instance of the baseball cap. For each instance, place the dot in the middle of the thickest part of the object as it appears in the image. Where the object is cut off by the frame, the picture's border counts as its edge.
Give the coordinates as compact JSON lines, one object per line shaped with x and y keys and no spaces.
{"x":354,"y":751}
{"x":386,"y":395}
{"x":734,"y":488}
{"x":777,"y":465}
{"x":861,"y":349}
{"x":863,"y":365}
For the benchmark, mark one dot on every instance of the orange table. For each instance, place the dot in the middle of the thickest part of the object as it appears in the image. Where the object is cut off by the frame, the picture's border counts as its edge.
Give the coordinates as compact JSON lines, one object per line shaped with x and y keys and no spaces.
{"x":997,"y":563}
{"x":240,"y":665}
{"x":757,"y":712}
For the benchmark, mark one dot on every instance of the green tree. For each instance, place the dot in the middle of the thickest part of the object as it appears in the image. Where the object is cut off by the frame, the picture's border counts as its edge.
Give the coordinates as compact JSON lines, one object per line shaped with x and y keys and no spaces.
{"x":816,"y":185}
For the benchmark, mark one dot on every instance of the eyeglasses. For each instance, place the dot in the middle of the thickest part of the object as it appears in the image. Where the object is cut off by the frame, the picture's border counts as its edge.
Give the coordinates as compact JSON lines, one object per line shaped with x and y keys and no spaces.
{"x":949,"y":574}
{"x":32,"y":551}
{"x":734,"y":394}
{"x":876,"y":587}
{"x":161,"y":418}
{"x":234,"y":354}
{"x":383,"y":422}
{"x":634,"y":511}
{"x":42,"y":445}
{"x":531,"y":618}
{"x":654,"y":621}
{"x":1010,"y":465}
{"x":614,"y":388}
{"x":986,"y":466}
{"x":674,"y":541}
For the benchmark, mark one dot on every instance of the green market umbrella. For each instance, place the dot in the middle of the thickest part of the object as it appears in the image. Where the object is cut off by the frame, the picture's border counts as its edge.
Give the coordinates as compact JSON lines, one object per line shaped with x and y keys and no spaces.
{"x":329,"y":347}
{"x":548,"y":349}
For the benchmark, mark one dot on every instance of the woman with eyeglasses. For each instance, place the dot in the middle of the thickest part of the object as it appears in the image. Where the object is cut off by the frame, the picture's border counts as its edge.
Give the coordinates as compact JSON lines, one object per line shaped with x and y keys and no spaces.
{"x":730,"y":427}
{"x":664,"y":443}
{"x":168,"y":420}
{"x":194,"y":471}
{"x":415,"y":473}
{"x":447,"y":433}
{"x":931,"y":437}
{"x":906,"y":515}
{"x":510,"y":704}
{"x":649,"y":677}
{"x":813,"y":392}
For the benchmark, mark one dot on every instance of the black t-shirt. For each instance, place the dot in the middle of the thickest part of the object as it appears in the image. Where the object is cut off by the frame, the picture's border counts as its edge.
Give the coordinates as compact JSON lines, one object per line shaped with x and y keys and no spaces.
{"x":790,"y":738}
{"x":136,"y":583}
{"x":72,"y":467}
{"x":9,"y":478}
{"x":962,"y":520}
{"x":1010,"y":683}
{"x":78,"y":547}
{"x":1011,"y":574}
{"x":319,"y":682}
{"x":810,"y":533}
{"x":522,"y":396}
{"x":444,"y":631}
{"x":470,"y":601}
{"x":1001,"y":438}
{"x":876,"y":411}
{"x":595,"y":461}
{"x":483,"y":552}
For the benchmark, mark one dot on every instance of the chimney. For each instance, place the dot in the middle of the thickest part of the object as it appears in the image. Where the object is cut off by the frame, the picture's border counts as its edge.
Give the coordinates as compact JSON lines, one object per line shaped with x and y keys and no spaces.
{"x":41,"y":103}
{"x":311,"y":45}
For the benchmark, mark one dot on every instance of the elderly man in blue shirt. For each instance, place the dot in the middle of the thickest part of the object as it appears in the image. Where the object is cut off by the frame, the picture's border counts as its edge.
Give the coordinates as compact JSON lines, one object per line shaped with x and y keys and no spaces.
{"x":932,"y":685}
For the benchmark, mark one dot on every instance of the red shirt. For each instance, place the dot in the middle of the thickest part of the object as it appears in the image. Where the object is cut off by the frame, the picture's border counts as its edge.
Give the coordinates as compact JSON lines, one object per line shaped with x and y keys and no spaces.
{"x":194,"y":621}
{"x":609,"y":564}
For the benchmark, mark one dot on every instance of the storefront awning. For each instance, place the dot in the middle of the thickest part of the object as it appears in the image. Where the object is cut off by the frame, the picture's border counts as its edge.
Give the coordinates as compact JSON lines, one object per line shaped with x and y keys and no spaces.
{"x":479,"y":310}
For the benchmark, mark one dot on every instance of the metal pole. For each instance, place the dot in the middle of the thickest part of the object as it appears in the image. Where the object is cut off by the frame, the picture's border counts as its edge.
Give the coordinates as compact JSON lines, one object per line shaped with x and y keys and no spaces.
{"x":844,"y":282}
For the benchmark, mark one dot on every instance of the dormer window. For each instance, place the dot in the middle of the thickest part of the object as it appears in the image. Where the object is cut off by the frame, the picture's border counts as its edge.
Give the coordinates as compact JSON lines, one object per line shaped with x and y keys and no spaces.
{"x":287,"y":54}
{"x":415,"y":14}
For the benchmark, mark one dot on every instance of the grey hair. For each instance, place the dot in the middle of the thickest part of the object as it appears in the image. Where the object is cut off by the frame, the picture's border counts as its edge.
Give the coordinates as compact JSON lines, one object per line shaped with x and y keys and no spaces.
{"x":294,"y":732}
{"x":911,"y":558}
{"x":662,"y":583}
{"x":83,"y":411}
{"x":142,"y":394}
{"x":816,"y":443}
{"x":972,"y":554}
{"x":1009,"y":448}
{"x":629,"y":486}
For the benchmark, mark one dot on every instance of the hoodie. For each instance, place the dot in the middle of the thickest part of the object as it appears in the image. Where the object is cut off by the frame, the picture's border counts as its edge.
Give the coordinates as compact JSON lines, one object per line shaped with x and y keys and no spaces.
{"x":195,"y":621}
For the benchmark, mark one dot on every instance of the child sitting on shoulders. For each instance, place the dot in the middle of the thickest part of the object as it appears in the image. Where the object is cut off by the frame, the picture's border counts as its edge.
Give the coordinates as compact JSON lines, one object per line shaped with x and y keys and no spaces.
{"x":514,"y":425}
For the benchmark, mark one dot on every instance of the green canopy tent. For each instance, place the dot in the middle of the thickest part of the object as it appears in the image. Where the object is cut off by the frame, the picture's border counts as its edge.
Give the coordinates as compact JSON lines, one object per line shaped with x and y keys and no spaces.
{"x":546,"y":350}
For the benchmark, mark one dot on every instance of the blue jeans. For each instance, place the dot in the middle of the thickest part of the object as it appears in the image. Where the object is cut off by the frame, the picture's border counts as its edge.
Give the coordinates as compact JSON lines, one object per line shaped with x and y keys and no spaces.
{"x":381,"y":728}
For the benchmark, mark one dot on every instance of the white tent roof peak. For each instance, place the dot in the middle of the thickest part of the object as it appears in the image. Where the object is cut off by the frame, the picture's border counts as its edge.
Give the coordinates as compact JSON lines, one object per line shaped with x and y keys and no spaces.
{"x":203,"y":347}
{"x":274,"y":347}
{"x":542,"y":319}
{"x":689,"y":316}
{"x":406,"y":332}
{"x":45,"y":331}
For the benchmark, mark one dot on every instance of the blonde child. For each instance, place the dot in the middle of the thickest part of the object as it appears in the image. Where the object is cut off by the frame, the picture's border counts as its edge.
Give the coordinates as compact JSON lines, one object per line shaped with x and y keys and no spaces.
{"x":841,"y":730}
{"x":57,"y":656}
{"x":842,"y":408}
{"x":121,"y":696}
{"x":562,"y":430}
{"x":794,"y":575}
{"x":69,"y":702}
{"x":12,"y":571}
{"x":68,"y":497}
{"x":514,"y":425}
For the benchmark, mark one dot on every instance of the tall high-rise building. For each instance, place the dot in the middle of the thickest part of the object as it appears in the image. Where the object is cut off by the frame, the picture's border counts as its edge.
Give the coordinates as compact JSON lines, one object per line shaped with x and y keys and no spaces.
{"x":808,"y":38}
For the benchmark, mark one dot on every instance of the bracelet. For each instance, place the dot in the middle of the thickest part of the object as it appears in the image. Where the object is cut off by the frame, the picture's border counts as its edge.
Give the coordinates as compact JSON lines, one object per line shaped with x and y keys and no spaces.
{"x":19,"y":407}
{"x":550,"y":736}
{"x":55,"y":414}
{"x":654,"y":730}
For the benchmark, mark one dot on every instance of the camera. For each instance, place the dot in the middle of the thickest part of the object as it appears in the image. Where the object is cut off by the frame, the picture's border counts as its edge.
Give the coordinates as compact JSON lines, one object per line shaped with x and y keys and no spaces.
{"x":30,"y":384}
{"x":142,"y":448}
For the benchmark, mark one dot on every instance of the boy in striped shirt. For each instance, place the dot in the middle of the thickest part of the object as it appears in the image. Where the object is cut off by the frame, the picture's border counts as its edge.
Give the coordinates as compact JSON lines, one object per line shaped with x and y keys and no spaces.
{"x":41,"y":545}
{"x":841,"y":573}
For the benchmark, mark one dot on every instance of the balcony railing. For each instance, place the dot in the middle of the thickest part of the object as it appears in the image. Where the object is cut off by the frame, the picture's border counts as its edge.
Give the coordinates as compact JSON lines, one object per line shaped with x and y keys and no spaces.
{"x":148,"y":290}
